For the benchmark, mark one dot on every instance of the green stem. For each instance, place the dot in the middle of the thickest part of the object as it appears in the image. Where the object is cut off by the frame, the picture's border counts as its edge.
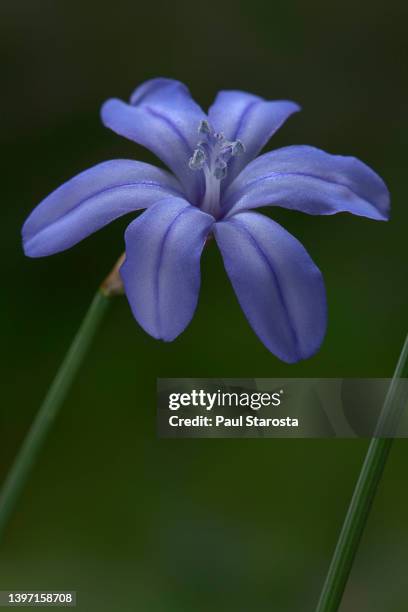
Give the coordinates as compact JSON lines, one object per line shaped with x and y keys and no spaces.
{"x":48,"y":411}
{"x":365,"y":490}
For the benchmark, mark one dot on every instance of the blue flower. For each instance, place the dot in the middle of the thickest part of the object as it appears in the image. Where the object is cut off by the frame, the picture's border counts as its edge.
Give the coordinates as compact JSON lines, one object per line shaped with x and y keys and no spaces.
{"x":216,"y":181}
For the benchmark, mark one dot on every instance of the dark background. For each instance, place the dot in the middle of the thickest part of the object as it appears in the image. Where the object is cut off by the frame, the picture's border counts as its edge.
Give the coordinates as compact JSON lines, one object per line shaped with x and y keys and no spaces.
{"x":136,"y":523}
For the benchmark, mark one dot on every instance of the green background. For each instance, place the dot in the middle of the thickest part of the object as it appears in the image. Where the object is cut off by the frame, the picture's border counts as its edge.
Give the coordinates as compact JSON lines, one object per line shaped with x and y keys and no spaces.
{"x":136,"y":523}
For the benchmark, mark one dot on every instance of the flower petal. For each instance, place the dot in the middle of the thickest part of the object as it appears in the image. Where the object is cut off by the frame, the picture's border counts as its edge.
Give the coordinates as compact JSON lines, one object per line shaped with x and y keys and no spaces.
{"x":164,"y":118}
{"x":307,"y":179}
{"x":161,"y":272}
{"x":251,"y":119}
{"x":92,"y":199}
{"x":280,"y":289}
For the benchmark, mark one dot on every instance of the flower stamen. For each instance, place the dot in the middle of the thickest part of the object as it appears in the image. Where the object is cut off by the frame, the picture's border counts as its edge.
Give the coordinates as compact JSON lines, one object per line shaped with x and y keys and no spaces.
{"x":212,"y":155}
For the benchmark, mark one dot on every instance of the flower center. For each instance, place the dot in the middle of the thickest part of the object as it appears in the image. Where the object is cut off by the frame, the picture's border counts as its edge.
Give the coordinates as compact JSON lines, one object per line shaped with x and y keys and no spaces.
{"x":212,"y":154}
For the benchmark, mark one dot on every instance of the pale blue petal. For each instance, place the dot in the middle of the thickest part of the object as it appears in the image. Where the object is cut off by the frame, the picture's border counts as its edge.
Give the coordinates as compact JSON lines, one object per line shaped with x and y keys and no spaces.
{"x":251,"y":119}
{"x":164,"y":118}
{"x":161,"y":272}
{"x":309,"y":180}
{"x":92,"y":199}
{"x":280,"y":289}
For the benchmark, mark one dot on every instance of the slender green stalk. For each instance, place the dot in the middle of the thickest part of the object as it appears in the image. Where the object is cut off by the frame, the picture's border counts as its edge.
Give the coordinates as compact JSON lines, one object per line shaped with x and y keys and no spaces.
{"x":365,"y":489}
{"x":48,"y":411}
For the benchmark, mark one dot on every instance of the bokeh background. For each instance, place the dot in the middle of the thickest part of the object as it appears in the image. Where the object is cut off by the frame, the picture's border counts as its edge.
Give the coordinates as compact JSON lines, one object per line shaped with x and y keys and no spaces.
{"x":130,"y":521}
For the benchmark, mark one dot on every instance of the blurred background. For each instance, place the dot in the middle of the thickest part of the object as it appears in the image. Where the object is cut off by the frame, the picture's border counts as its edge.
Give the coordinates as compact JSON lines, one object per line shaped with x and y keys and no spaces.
{"x":129,"y":521}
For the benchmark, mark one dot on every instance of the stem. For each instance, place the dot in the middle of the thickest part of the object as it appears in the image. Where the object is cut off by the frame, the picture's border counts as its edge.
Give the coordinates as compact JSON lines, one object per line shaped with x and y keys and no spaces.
{"x":365,"y":490}
{"x":48,"y":411}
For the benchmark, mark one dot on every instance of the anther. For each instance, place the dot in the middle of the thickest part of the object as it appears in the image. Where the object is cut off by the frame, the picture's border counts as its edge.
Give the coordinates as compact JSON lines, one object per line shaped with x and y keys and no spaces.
{"x":220,"y":172}
{"x":238,"y":148}
{"x":204,"y":128}
{"x":197,"y":161}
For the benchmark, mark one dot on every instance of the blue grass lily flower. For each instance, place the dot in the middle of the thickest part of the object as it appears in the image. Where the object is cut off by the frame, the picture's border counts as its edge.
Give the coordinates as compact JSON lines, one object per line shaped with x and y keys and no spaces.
{"x":216,"y":181}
